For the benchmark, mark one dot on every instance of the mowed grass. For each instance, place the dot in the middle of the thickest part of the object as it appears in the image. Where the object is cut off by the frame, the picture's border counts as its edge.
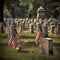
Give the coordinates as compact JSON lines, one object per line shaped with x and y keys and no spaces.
{"x":8,"y":53}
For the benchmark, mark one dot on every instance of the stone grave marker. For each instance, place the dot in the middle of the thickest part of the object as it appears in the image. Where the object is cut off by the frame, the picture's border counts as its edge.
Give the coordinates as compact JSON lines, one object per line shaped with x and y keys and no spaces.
{"x":23,"y":25}
{"x":31,"y":28}
{"x":46,"y":46}
{"x":38,"y":26}
{"x":52,"y":27}
{"x":45,"y":29}
{"x":29,"y":22}
{"x":11,"y":31}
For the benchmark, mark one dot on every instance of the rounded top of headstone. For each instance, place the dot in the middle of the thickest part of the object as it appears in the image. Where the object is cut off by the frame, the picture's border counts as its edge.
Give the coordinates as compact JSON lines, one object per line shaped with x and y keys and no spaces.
{"x":58,"y":8}
{"x":45,"y":20}
{"x":31,"y":23}
{"x":48,"y":38}
{"x":40,"y":9}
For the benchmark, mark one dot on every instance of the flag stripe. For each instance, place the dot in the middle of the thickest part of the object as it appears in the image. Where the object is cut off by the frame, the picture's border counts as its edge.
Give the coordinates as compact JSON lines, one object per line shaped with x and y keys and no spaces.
{"x":12,"y":41}
{"x":39,"y":35}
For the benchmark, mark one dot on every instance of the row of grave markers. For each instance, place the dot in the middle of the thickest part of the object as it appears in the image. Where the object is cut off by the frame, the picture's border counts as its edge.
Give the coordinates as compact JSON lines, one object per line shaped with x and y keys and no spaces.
{"x":31,"y":25}
{"x":46,"y":45}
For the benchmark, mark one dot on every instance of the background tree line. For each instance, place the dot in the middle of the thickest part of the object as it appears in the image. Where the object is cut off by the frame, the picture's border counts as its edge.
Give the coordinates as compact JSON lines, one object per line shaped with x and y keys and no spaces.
{"x":27,"y":8}
{"x":24,"y":8}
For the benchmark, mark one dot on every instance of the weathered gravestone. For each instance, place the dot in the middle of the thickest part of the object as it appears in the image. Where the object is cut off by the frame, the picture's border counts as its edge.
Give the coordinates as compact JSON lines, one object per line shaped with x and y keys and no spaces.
{"x":35,"y":21}
{"x":38,"y":26}
{"x":11,"y":27}
{"x":11,"y":31}
{"x":52,"y":27}
{"x":40,"y":20}
{"x":29,"y":22}
{"x":6,"y":30}
{"x":8,"y":25}
{"x":20,"y":29}
{"x":23,"y":25}
{"x":46,"y":46}
{"x":45,"y":29}
{"x":31,"y":28}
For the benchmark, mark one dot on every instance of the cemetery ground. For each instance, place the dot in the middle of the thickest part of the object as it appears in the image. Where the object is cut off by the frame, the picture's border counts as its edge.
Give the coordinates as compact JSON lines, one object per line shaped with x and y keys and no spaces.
{"x":8,"y":53}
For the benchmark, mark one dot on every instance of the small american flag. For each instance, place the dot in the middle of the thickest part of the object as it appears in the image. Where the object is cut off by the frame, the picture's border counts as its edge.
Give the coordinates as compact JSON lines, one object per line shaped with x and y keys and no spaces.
{"x":12,"y":41}
{"x":38,"y":37}
{"x":56,"y":30}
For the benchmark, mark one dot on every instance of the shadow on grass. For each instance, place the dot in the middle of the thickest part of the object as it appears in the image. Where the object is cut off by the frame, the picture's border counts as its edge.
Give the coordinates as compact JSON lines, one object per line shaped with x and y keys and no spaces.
{"x":56,"y":44}
{"x":1,"y":58}
{"x":30,"y":44}
{"x":3,"y":44}
{"x":3,"y":36}
{"x":28,"y":37}
{"x":58,"y":37}
{"x":54,"y":37}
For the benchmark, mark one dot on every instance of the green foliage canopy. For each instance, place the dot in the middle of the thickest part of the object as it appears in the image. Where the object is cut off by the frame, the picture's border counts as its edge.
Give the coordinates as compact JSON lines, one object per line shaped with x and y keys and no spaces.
{"x":26,"y":7}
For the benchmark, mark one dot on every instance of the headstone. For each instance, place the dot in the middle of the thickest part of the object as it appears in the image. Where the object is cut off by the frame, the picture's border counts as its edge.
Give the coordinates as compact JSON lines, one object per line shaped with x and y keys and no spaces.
{"x":59,"y":27}
{"x":8,"y":25}
{"x":11,"y":31}
{"x":46,"y":46}
{"x":40,"y":20}
{"x":45,"y":29}
{"x":38,"y":26}
{"x":52,"y":27}
{"x":31,"y":28}
{"x":20,"y":29}
{"x":35,"y":21}
{"x":29,"y":22}
{"x":23,"y":25}
{"x":32,"y":20}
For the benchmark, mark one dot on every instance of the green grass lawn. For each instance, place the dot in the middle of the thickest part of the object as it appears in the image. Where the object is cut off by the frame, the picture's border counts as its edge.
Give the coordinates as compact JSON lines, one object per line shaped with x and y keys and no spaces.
{"x":8,"y":53}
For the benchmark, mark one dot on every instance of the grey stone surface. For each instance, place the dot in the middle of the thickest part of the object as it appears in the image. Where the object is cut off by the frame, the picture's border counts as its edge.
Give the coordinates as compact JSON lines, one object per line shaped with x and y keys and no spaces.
{"x":46,"y":46}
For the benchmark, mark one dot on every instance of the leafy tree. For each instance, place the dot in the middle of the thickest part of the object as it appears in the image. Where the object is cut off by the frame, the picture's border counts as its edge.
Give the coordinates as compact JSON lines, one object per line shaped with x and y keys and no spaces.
{"x":31,"y":6}
{"x":10,"y":6}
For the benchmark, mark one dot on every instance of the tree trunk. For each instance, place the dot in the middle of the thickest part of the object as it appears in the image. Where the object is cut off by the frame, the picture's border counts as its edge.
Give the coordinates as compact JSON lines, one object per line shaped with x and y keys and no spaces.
{"x":1,"y":15}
